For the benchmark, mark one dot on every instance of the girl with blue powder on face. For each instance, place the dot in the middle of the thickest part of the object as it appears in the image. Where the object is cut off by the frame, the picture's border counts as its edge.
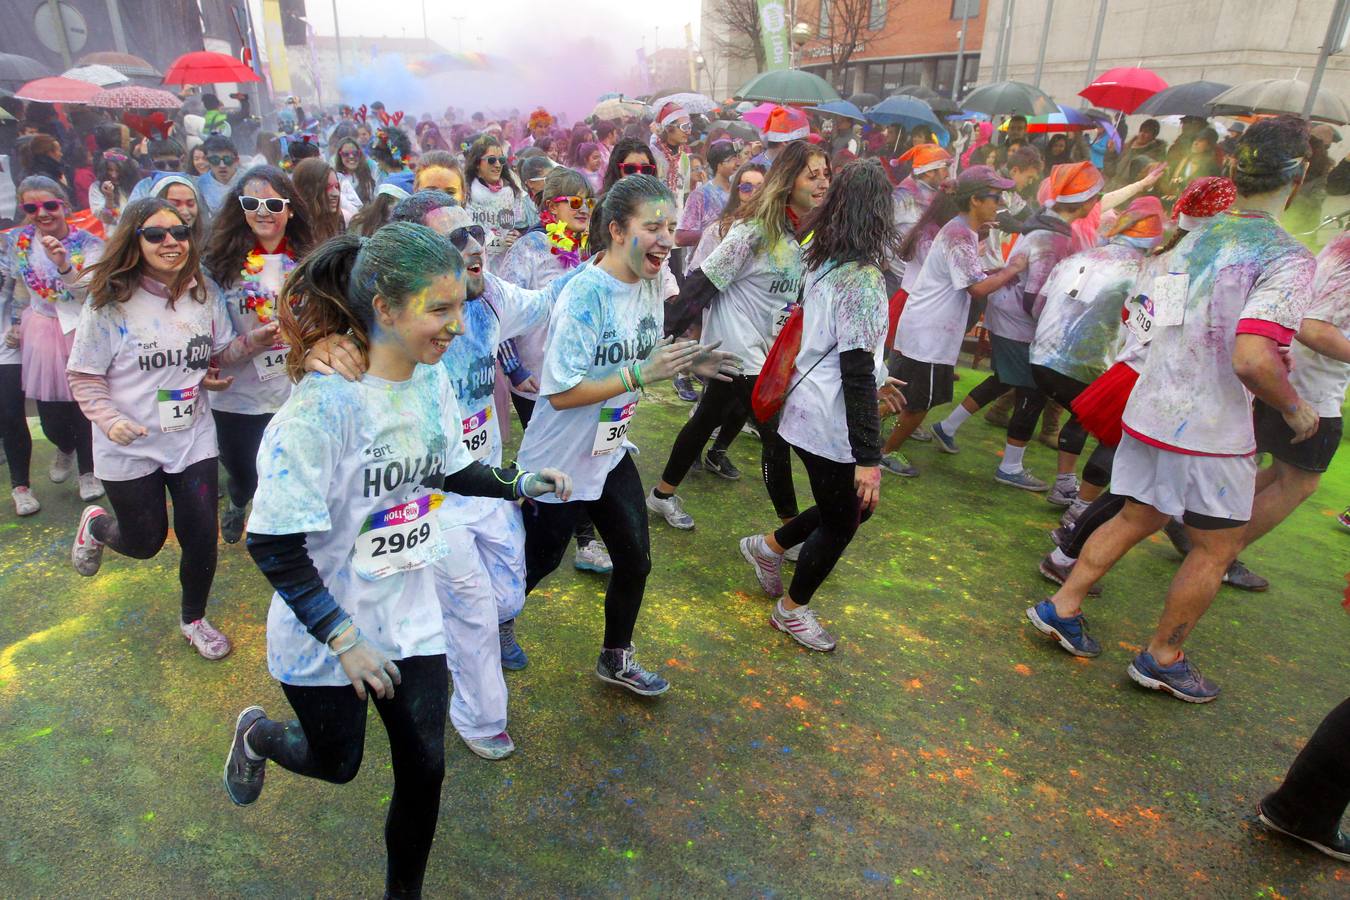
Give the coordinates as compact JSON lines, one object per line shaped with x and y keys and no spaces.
{"x":344,"y":528}
{"x":602,"y":351}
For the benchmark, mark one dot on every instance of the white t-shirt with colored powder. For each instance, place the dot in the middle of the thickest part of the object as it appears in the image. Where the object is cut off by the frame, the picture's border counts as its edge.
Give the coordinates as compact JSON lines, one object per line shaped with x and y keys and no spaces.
{"x":357,"y":467}
{"x":260,"y":384}
{"x":499,"y":212}
{"x":757,"y":287}
{"x":1078,"y":311}
{"x":531,"y":264}
{"x":599,"y":325}
{"x":1319,"y":379}
{"x":934,"y":319}
{"x":1005,"y":316}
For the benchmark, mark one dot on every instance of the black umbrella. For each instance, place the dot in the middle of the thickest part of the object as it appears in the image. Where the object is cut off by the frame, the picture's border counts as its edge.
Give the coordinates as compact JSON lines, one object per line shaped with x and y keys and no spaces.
{"x":21,"y":68}
{"x":864,"y":100}
{"x":943,"y":106}
{"x":1009,"y":98}
{"x":1188,"y":99}
{"x":743,"y":130}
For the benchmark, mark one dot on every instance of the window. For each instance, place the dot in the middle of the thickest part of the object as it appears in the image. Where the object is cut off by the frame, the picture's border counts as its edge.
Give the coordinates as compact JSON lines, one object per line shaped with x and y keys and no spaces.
{"x":823,"y":27}
{"x":965,"y":9}
{"x":876,"y":19}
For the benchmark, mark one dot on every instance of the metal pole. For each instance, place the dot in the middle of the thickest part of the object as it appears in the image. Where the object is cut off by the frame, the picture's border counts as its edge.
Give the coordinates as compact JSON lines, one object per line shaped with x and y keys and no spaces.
{"x":1097,"y":41}
{"x":960,"y":56}
{"x":119,"y":36}
{"x":998,"y":42}
{"x":59,"y":21}
{"x":1334,"y":29}
{"x":1045,"y":38}
{"x":337,"y":40}
{"x":1007,"y":38}
{"x":425,"y":35}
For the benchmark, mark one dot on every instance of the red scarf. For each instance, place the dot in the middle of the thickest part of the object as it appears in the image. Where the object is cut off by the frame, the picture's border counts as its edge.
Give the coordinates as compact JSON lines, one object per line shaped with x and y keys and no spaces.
{"x":794,"y":220}
{"x":281,"y":248}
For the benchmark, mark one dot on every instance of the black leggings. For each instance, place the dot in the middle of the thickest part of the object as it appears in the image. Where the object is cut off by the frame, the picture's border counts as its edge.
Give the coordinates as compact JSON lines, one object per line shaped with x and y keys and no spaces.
{"x":620,"y":515}
{"x":1098,"y":513}
{"x":67,"y":428}
{"x":585,"y":531}
{"x":723,"y":400}
{"x":1027,"y":407}
{"x":328,"y":736}
{"x":140,"y":522}
{"x":826,"y":528}
{"x":14,"y":434}
{"x":238,"y":436}
{"x":1315,"y":793}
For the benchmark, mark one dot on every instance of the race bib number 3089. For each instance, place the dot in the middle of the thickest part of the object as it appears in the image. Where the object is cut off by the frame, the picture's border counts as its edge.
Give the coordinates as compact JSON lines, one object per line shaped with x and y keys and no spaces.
{"x":475,"y":434}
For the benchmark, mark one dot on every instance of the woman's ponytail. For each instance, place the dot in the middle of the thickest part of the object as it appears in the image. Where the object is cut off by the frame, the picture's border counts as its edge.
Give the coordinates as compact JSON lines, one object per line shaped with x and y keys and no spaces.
{"x":314,"y":304}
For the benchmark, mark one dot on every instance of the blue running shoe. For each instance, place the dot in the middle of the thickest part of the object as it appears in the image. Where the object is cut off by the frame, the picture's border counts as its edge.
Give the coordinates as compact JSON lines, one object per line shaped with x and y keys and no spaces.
{"x":513,"y":658}
{"x":1071,"y":633}
{"x":684,"y":388}
{"x":946,"y":442}
{"x":1181,"y":679}
{"x":1022,"y":480}
{"x":620,"y":666}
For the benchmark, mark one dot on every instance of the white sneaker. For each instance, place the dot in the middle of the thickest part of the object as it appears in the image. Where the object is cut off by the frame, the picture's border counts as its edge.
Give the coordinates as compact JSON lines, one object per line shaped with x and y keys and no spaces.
{"x":593,"y":557}
{"x":767,"y":564}
{"x":25,"y":504}
{"x":62,"y":465}
{"x":671,"y":509}
{"x":1064,"y":492}
{"x":204,"y":638}
{"x":792,"y":554}
{"x":802,"y":626}
{"x":86,"y":554}
{"x":90,"y":487}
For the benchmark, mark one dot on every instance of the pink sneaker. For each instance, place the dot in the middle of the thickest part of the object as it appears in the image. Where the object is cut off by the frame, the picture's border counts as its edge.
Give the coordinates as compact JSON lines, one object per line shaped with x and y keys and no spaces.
{"x":202,"y":635}
{"x":86,"y":554}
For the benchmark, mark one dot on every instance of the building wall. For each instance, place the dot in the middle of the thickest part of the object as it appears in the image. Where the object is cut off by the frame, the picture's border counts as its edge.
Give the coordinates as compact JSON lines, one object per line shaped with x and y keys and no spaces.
{"x":1228,"y":41}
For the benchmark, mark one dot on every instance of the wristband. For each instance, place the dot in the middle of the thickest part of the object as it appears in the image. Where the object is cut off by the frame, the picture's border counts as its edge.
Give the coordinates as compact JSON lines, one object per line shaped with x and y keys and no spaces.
{"x":339,"y":630}
{"x":623,"y":380}
{"x":356,"y":640}
{"x":353,"y":635}
{"x":637,"y":376}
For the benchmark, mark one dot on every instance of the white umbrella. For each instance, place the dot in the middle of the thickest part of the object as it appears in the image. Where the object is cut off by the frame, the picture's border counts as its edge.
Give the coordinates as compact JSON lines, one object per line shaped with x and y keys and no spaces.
{"x":694,"y":104}
{"x":98,"y":74}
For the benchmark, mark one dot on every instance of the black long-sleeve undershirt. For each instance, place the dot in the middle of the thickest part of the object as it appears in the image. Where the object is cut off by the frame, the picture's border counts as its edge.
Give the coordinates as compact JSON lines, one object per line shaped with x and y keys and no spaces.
{"x":857,"y":371}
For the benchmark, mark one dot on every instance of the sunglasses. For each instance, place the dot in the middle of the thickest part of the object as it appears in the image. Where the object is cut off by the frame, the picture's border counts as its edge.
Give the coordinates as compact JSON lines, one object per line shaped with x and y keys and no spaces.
{"x":460,"y":236}
{"x":576,"y":202}
{"x":155,"y":235}
{"x":686,"y":127}
{"x":48,"y":205}
{"x":635,"y":168}
{"x":494,"y":160}
{"x":226,"y":160}
{"x":746,"y":187}
{"x":114,"y":155}
{"x":350,"y":154}
{"x":274,"y":204}
{"x":168,"y":164}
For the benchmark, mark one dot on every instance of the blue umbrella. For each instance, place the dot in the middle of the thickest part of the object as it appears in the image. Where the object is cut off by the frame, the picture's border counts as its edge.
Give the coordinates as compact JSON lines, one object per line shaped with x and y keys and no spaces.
{"x":902,"y":109}
{"x":840,"y":108}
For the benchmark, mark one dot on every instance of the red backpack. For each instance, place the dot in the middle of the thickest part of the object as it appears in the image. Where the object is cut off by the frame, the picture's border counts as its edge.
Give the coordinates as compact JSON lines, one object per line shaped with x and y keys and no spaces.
{"x":772,"y":386}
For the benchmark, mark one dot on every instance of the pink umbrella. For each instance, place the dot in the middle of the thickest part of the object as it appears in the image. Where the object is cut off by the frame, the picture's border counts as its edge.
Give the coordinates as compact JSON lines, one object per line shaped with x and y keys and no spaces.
{"x":55,"y":89}
{"x":135,"y":97}
{"x":759,"y":116}
{"x":1123,"y":88}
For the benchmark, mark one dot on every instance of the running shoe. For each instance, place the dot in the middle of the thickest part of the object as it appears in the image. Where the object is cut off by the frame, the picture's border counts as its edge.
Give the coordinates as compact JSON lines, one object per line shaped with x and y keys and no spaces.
{"x":768,"y":565}
{"x":802,"y":626}
{"x":791,"y":554}
{"x":1344,"y":519}
{"x":898,"y":464}
{"x":1051,"y":571}
{"x":86,"y":554}
{"x":63,"y":464}
{"x":1181,"y":679}
{"x":1071,"y":633}
{"x":499,"y":746}
{"x":750,"y":428}
{"x":593,"y":557}
{"x":620,"y":666}
{"x":1336,"y":845}
{"x":1022,"y":480}
{"x":671,"y":509}
{"x":716,"y":462}
{"x":1062,"y":536}
{"x":684,"y":389}
{"x":244,"y":776}
{"x":1063,"y":494}
{"x":1243,"y":578}
{"x":232,"y":522}
{"x":90,"y":487}
{"x":946,"y":442}
{"x":1074,"y":512}
{"x":205,"y":639}
{"x":513,"y":657}
{"x":922,"y":435}
{"x":1176,"y":533}
{"x":25,"y":504}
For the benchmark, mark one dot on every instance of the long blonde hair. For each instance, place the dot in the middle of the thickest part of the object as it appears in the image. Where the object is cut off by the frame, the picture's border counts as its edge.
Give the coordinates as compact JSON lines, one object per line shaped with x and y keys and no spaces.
{"x":769,"y":206}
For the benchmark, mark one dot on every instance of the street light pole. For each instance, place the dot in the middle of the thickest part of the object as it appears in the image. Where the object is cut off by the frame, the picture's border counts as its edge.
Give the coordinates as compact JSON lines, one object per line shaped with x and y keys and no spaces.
{"x":1045,"y":38}
{"x":1335,"y":28}
{"x":1097,"y":41}
{"x":1007,"y":39}
{"x":337,"y":39}
{"x":957,"y":79}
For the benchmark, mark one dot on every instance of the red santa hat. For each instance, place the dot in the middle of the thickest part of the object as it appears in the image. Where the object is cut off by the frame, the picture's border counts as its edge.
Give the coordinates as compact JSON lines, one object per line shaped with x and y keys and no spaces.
{"x":786,"y":124}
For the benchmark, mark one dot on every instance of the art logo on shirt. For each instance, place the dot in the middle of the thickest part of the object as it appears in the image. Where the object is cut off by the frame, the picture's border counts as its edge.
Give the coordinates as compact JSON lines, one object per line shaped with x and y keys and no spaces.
{"x":612,"y":352}
{"x":385,"y":474}
{"x":195,"y":357}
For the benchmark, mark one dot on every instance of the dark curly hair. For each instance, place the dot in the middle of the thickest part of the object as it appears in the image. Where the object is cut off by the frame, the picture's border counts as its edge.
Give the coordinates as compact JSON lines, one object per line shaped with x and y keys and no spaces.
{"x":1270,"y":155}
{"x":854,"y":223}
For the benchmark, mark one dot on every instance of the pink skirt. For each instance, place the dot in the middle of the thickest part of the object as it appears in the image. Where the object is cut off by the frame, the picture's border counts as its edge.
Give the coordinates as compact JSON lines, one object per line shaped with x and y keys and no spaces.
{"x":45,"y":354}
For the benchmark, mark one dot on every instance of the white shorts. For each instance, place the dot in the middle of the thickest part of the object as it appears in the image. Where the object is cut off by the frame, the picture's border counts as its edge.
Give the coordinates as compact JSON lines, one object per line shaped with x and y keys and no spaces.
{"x":1216,"y":487}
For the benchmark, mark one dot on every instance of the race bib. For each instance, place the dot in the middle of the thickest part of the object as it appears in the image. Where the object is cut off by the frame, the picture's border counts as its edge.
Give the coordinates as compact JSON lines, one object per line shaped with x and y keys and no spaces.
{"x":399,"y":539}
{"x":780,"y":318}
{"x":613,"y":425}
{"x":271,"y":363}
{"x":475,"y":434}
{"x":177,"y":408}
{"x":1169,"y":300}
{"x":1140,"y":321}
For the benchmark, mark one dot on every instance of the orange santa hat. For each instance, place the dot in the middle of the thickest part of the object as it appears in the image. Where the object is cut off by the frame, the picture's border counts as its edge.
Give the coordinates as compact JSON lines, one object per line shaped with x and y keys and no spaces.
{"x":1073,"y":183}
{"x":925,"y":158}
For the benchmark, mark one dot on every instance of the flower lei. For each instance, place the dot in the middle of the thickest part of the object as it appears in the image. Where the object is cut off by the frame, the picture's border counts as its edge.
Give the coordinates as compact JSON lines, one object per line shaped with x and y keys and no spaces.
{"x":49,"y":289}
{"x":258,"y":299}
{"x":563,"y":242}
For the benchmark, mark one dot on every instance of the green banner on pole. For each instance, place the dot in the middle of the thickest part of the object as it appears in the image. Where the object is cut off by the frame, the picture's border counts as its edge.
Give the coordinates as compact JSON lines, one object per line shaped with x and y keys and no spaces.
{"x":773,"y":30}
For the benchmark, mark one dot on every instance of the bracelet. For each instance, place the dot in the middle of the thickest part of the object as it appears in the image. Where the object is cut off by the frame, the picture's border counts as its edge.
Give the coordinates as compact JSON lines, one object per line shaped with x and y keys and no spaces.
{"x":637,"y":376}
{"x":356,"y":639}
{"x":340,"y":630}
{"x":623,"y":380}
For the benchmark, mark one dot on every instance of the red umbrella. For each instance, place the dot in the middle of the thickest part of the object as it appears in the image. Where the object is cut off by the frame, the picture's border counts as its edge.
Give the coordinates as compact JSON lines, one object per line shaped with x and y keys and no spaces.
{"x":205,"y":67}
{"x":56,"y":89}
{"x":135,"y":97}
{"x":1123,"y":88}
